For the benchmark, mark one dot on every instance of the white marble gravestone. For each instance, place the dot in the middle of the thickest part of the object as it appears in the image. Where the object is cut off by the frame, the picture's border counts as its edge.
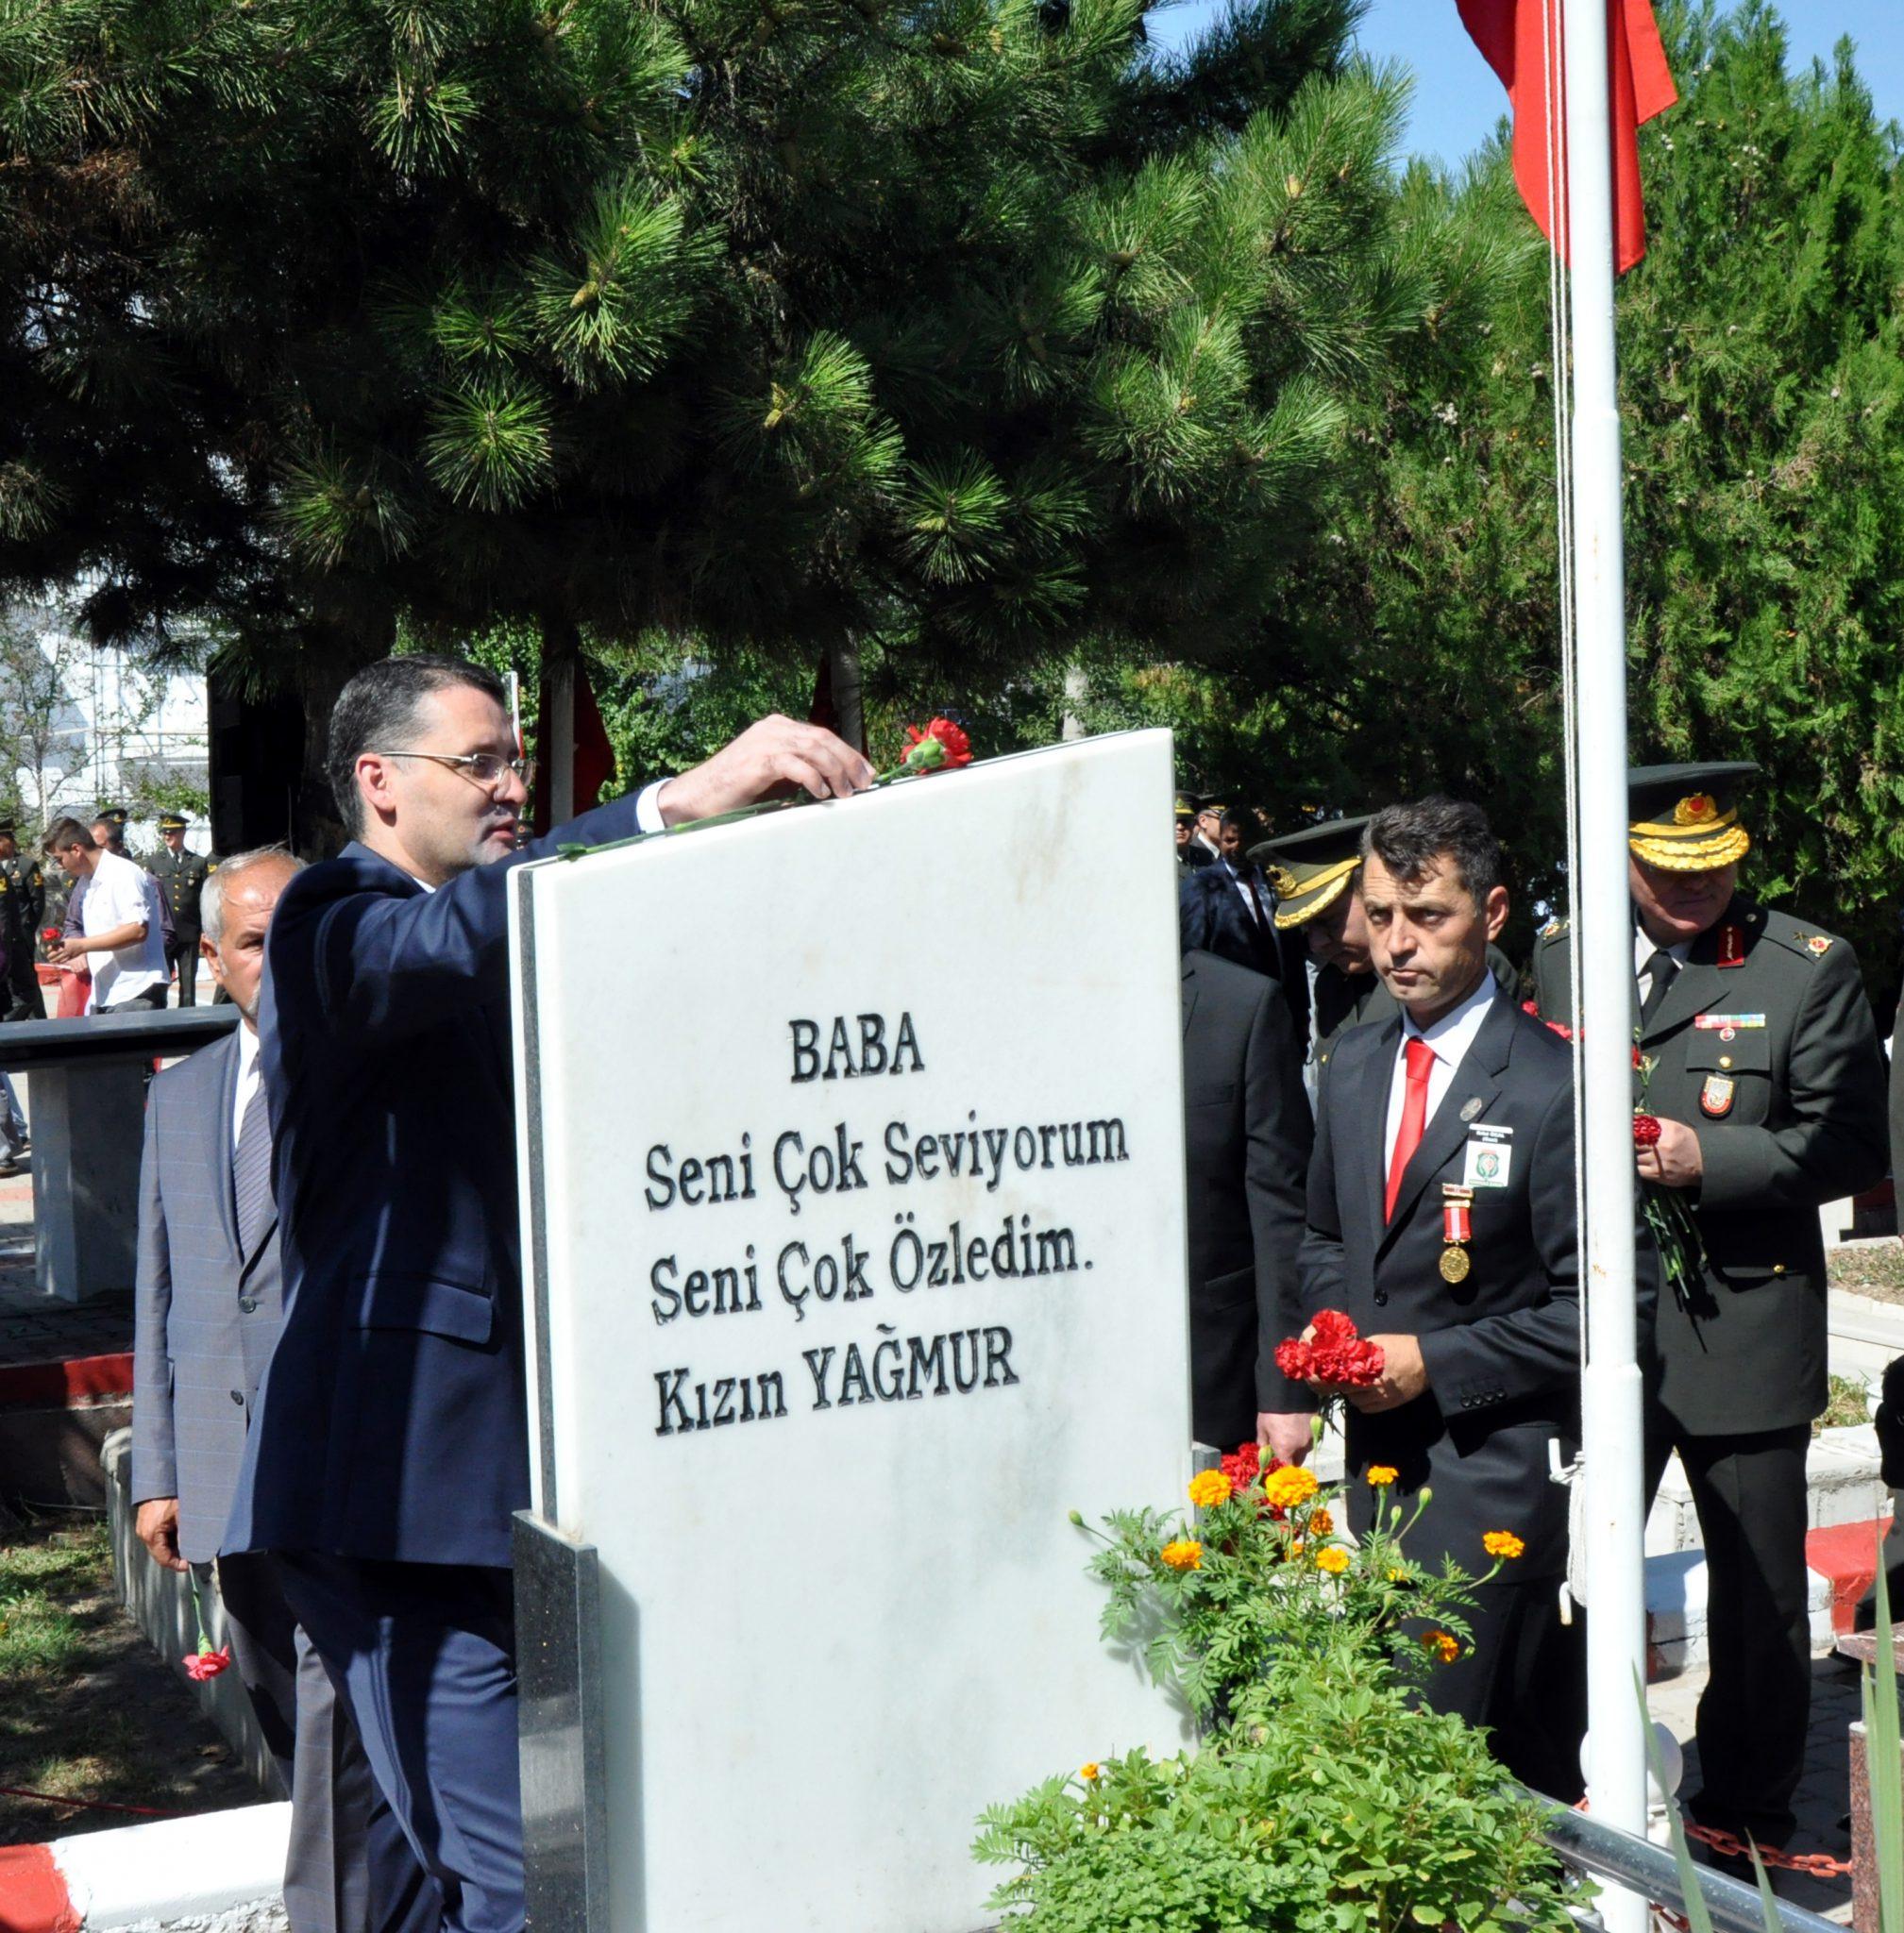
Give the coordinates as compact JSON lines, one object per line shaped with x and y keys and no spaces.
{"x":854,"y":1245}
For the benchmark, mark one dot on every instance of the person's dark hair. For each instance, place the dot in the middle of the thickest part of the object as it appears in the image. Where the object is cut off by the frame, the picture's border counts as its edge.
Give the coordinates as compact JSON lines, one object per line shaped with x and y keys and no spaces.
{"x":1243,"y":819}
{"x":376,"y":711}
{"x":64,"y":833}
{"x":1408,"y":839}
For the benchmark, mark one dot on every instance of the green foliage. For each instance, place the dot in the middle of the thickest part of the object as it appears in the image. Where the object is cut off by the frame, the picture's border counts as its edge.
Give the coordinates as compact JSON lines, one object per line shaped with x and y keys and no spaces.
{"x":974,"y":334}
{"x":1279,"y":1634}
{"x":1762,"y":370}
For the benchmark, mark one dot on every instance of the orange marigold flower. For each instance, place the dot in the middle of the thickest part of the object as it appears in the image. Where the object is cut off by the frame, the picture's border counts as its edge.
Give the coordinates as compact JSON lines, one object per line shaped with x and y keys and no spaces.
{"x":1321,"y":1523}
{"x":1295,"y":1549}
{"x":1333,"y":1559}
{"x":1381,"y":1475}
{"x":1502,"y":1544}
{"x":1439,"y":1644}
{"x":1087,"y":1773}
{"x":1290,"y":1486}
{"x":1183,"y":1554}
{"x":1209,"y":1487}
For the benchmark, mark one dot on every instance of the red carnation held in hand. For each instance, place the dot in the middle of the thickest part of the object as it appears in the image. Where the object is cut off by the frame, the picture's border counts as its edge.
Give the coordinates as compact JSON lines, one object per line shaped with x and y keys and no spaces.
{"x":1337,"y":1353}
{"x":1645,"y":1131}
{"x":206,"y":1663}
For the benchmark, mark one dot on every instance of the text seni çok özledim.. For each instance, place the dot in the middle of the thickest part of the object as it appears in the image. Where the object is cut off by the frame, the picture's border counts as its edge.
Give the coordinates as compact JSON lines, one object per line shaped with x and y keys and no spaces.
{"x":950,"y":1256}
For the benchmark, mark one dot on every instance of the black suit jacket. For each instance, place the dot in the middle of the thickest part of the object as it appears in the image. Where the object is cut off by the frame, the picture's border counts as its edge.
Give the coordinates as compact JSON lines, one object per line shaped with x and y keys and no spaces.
{"x":1211,"y":919}
{"x":1246,"y":1140}
{"x":1502,"y":1348}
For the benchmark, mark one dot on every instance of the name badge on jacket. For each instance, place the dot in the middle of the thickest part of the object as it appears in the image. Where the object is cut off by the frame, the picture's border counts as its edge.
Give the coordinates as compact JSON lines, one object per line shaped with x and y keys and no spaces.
{"x":1489,"y":1157}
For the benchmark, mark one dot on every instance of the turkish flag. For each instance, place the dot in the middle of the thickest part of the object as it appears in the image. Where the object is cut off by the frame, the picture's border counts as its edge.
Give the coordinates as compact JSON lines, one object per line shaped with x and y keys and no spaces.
{"x":593,"y":755}
{"x":1516,"y":36}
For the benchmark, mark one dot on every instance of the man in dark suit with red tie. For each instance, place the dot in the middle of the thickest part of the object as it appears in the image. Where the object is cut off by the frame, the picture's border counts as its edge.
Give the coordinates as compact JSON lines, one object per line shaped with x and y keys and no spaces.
{"x":1440,"y":1218}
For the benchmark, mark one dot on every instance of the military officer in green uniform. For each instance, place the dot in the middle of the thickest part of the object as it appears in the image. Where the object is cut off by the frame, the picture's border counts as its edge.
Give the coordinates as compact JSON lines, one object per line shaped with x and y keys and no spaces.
{"x":1190,"y":855}
{"x":181,"y":873}
{"x":1761,"y":1062}
{"x":1315,"y":875}
{"x":23,"y":903}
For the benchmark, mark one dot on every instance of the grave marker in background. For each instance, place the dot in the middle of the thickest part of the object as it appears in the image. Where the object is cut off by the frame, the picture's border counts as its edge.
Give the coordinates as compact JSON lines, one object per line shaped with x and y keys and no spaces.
{"x":854,"y":1251}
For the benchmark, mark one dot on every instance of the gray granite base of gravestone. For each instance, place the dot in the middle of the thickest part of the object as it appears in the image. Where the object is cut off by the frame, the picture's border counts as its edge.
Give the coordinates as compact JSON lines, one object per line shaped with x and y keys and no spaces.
{"x":852,"y":1187}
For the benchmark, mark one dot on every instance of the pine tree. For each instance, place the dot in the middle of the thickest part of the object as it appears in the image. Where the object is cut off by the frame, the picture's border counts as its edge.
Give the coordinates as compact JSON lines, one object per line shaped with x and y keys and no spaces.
{"x":969,"y":334}
{"x":1762,"y":396}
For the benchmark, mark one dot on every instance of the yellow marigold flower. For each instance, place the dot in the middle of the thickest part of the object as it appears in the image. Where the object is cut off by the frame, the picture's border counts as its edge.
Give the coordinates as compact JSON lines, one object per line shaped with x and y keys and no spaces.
{"x":1088,"y":1772}
{"x":1333,"y":1559}
{"x":1439,"y":1644}
{"x":1183,"y":1554}
{"x":1209,"y":1487}
{"x":1502,"y":1544}
{"x":1397,"y":1576}
{"x":1321,"y":1523}
{"x":1288,"y":1487}
{"x":1296,"y":1549}
{"x":1381,"y":1475}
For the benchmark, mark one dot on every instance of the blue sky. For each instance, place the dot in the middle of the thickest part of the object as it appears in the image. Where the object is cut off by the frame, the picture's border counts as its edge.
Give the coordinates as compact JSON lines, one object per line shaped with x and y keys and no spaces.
{"x":1457,"y":100}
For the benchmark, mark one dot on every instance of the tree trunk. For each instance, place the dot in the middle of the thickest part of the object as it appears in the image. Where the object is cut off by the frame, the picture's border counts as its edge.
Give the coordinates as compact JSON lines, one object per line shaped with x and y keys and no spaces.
{"x":555,"y":724}
{"x":336,"y":646}
{"x":848,"y":707}
{"x":1077,"y":694}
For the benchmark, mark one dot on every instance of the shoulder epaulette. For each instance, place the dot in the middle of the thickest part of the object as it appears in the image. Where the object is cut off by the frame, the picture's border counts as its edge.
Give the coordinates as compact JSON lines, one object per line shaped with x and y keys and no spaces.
{"x":1806,"y":940}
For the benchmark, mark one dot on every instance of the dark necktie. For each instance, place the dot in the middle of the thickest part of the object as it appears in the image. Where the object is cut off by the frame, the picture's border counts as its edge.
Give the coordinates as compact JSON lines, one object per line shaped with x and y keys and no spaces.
{"x":1663,"y":968}
{"x":251,"y":1173}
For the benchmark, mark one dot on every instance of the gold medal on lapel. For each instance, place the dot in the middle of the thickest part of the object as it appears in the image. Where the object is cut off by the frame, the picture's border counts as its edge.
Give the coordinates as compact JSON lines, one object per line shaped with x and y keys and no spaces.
{"x":1715,"y":1096}
{"x":1455,"y":1264}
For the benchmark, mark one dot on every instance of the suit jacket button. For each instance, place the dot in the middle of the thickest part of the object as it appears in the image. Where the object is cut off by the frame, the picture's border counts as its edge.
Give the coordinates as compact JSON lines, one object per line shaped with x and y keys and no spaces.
{"x":1777,"y":1268}
{"x":238,"y":1397}
{"x":248,"y":1303}
{"x":1382,"y":1297}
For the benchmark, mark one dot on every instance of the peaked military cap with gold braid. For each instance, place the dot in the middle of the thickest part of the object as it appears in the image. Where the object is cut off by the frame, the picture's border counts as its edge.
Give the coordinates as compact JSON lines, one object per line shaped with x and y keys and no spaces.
{"x":1685,"y":818}
{"x":1311,"y":869}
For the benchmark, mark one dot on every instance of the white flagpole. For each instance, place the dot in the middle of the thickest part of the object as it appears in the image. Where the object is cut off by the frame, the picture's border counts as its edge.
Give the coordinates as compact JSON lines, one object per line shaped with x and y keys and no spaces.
{"x":1611,"y":1401}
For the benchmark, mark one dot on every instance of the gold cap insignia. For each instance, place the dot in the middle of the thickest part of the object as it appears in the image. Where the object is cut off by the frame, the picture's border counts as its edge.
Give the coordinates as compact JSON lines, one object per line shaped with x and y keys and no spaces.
{"x":1820,"y":943}
{"x":1695,"y":811}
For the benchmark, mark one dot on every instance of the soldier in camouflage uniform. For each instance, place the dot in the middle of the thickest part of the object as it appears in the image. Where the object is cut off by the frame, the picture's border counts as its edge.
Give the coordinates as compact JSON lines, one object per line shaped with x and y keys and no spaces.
{"x":1761,"y":1062}
{"x":181,"y":875}
{"x":23,"y":904}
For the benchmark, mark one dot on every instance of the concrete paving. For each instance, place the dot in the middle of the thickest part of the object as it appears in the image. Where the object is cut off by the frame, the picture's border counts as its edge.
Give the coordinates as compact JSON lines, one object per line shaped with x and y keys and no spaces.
{"x":1824,"y":1792}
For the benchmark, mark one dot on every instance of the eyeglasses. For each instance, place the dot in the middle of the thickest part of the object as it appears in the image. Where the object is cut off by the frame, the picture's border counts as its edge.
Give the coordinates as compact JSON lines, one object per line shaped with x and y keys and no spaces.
{"x":483,"y":766}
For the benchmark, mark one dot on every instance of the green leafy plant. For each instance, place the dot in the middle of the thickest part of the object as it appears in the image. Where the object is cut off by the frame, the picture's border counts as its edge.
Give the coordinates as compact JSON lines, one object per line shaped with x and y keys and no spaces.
{"x":1283,"y":1638}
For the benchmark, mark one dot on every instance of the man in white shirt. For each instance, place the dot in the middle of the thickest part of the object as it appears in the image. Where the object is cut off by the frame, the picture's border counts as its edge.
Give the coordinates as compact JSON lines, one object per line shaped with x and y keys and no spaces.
{"x":1440,"y":1219}
{"x":119,"y":937}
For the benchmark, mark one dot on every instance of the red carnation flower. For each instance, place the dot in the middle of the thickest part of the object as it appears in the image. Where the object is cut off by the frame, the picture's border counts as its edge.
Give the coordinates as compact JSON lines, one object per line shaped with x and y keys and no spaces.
{"x":206,"y":1663}
{"x":1338,"y":1354}
{"x":941,"y":747}
{"x":1645,"y":1131}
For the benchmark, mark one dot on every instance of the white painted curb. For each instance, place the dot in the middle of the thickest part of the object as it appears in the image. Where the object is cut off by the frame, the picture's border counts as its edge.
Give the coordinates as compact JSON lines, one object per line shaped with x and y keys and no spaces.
{"x":175,"y":1869}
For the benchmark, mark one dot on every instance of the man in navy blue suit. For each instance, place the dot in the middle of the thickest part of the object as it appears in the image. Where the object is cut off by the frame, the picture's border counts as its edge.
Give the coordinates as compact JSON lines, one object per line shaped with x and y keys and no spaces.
{"x":389,"y":1444}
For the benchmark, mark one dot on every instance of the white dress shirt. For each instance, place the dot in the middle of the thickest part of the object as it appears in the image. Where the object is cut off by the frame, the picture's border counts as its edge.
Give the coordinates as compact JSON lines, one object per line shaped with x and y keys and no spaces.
{"x":1644,"y":950}
{"x":1451,"y":1036}
{"x":249,"y":1075}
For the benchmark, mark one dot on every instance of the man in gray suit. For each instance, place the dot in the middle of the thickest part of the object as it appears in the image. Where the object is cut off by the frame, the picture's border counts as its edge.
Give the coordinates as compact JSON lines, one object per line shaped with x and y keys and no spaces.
{"x":208,"y":1305}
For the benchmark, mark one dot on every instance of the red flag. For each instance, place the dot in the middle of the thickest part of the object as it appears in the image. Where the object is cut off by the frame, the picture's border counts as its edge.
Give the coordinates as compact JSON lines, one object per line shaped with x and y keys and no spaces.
{"x":1515,"y":36}
{"x":593,"y":764}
